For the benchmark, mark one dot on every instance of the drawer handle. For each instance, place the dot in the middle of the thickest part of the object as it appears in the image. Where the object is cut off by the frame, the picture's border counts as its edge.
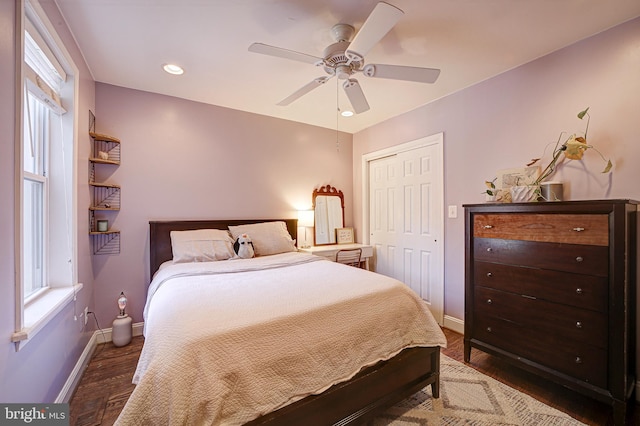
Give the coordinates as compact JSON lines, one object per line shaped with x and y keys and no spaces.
{"x":489,"y":301}
{"x":579,"y":259}
{"x":489,"y":274}
{"x":489,"y":329}
{"x":488,"y":226}
{"x":579,"y":290}
{"x":578,"y":229}
{"x":578,"y":324}
{"x":578,"y":360}
{"x":489,"y":249}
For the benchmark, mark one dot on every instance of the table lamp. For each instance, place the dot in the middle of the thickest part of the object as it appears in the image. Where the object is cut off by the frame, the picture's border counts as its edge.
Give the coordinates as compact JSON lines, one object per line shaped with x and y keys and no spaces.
{"x":305,"y":220}
{"x":122,"y":330}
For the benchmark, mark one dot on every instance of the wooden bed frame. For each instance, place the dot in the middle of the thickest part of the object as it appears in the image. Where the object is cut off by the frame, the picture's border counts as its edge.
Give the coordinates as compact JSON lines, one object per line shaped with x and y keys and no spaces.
{"x":349,"y":403}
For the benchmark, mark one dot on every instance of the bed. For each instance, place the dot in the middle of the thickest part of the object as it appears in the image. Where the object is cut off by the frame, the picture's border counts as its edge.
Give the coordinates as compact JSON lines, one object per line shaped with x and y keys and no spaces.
{"x":189,"y":374}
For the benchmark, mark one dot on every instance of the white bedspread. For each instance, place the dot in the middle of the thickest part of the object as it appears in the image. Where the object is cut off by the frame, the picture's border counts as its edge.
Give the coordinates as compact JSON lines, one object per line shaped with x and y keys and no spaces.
{"x":228,"y":341}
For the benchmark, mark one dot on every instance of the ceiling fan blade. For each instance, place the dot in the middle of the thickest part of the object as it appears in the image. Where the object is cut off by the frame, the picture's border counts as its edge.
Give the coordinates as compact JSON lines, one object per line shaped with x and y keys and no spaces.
{"x":377,"y":25}
{"x":304,"y":90}
{"x":279,"y":52}
{"x":399,"y":72}
{"x":356,"y":95}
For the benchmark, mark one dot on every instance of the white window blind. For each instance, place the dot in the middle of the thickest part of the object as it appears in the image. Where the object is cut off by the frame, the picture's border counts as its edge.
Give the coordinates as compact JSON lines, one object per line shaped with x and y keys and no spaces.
{"x":44,"y":74}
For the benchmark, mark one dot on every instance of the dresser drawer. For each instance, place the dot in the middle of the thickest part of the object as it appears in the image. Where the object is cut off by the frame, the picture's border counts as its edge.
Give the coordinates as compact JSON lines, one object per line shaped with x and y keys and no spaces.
{"x":590,"y":229}
{"x":581,"y":259}
{"x":557,"y":321}
{"x":579,"y":360}
{"x":581,"y":291}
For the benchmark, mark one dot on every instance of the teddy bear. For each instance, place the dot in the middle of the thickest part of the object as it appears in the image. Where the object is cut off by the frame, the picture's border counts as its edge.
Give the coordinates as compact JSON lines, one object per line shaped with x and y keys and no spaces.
{"x":243,"y":247}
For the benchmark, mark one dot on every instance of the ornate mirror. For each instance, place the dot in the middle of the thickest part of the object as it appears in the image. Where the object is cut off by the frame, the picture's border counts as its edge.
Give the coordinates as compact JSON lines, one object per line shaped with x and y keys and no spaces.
{"x":328,"y":206}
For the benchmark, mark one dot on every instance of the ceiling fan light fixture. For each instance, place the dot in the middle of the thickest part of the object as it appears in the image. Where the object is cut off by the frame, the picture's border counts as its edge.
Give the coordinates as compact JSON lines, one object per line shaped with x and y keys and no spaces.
{"x":173,"y":69}
{"x":343,"y":72}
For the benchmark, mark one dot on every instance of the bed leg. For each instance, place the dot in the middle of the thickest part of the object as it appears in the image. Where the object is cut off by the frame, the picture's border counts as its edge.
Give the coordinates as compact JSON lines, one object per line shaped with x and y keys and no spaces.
{"x":435,"y":388}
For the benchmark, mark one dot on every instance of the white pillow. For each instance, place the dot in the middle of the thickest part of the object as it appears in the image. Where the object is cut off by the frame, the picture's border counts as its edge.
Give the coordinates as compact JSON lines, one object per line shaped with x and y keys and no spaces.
{"x":201,"y":245}
{"x":267,"y":237}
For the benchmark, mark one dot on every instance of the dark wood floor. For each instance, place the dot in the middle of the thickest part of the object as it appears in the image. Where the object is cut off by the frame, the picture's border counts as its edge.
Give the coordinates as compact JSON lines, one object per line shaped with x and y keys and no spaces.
{"x":106,"y":385}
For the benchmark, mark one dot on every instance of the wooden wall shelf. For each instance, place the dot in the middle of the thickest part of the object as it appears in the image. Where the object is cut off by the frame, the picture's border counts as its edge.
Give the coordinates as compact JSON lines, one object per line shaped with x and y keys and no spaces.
{"x":105,"y":197}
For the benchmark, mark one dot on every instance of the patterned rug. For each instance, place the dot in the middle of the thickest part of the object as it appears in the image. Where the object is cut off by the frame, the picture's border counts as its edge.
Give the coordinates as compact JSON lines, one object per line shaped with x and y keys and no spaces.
{"x":468,"y":397}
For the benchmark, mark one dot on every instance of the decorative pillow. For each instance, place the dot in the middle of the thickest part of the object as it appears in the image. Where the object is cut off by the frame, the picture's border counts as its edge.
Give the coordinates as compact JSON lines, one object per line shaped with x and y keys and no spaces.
{"x":243,"y":247}
{"x":201,"y":245}
{"x":267,"y":237}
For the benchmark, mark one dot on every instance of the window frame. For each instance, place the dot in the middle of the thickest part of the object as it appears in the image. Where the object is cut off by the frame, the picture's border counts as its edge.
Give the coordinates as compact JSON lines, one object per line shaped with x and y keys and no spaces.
{"x":32,"y":314}
{"x":39,"y":175}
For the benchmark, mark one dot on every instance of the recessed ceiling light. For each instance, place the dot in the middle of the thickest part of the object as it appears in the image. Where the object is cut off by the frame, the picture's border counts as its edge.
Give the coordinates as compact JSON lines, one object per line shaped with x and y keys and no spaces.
{"x":346,"y":113}
{"x":173,"y":69}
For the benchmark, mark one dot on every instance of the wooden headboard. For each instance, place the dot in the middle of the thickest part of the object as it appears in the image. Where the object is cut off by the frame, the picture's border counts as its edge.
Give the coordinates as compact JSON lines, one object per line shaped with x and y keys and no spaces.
{"x":160,"y":238}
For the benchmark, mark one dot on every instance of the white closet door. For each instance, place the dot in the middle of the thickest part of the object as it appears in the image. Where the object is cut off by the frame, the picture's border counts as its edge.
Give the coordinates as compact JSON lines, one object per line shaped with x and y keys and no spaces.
{"x":405,"y":195}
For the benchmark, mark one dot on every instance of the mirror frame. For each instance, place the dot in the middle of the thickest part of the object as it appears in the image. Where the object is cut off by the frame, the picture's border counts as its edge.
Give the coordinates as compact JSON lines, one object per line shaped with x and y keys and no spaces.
{"x":328,"y":191}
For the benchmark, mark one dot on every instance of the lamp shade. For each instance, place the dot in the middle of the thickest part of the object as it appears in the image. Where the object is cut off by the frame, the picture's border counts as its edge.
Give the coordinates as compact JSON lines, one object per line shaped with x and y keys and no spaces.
{"x":305,"y":218}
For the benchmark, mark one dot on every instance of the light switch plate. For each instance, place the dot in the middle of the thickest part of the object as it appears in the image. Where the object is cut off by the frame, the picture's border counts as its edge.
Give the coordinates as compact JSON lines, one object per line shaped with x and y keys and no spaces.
{"x":453,"y":212}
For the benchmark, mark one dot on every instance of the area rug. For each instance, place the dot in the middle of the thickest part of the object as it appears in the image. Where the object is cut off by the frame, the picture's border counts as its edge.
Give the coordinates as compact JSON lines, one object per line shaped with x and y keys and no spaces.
{"x":468,"y":397}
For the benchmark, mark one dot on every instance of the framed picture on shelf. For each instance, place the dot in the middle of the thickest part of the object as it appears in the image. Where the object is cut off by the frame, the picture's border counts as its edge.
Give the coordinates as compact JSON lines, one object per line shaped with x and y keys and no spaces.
{"x":518,"y":176}
{"x":344,"y":235}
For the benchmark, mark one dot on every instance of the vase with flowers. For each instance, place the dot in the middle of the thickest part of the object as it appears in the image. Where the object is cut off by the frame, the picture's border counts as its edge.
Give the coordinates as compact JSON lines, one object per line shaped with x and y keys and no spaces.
{"x":573,"y":148}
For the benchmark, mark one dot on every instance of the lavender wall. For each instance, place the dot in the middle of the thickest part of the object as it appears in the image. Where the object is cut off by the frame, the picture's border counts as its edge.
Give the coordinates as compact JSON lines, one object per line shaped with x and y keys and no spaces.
{"x":508,"y":120}
{"x":187,"y":160}
{"x":38,"y":372}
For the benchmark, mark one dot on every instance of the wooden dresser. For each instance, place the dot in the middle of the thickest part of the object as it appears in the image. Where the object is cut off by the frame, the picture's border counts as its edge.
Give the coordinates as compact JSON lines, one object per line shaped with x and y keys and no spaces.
{"x":551,"y":287}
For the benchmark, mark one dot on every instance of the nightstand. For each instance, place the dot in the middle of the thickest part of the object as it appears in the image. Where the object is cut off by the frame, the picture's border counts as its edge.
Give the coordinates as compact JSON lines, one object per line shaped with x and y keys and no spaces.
{"x":329,"y":251}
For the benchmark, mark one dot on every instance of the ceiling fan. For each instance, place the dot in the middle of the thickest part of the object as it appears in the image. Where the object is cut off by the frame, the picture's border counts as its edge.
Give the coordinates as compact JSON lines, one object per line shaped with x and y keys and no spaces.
{"x":344,"y":58}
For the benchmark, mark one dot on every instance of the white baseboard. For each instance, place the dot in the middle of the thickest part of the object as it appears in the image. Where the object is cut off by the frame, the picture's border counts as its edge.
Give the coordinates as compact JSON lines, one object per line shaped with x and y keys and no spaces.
{"x":74,"y":378}
{"x":104,"y":335}
{"x":454,"y":324}
{"x":98,"y":337}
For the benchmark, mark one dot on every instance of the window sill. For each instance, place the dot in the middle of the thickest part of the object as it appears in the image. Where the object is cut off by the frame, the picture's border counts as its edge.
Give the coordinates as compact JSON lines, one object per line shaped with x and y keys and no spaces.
{"x":40,"y":311}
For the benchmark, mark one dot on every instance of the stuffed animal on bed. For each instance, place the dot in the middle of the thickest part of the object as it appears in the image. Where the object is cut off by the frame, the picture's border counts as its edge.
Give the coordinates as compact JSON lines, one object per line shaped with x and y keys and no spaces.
{"x":243,"y":247}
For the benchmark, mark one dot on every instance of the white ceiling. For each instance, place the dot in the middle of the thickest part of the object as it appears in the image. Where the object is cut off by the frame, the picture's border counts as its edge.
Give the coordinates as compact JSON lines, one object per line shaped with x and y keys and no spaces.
{"x":126,"y":42}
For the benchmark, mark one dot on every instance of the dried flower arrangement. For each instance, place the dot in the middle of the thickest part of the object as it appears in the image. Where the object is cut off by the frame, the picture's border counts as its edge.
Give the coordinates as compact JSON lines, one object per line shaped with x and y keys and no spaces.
{"x":573,"y":148}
